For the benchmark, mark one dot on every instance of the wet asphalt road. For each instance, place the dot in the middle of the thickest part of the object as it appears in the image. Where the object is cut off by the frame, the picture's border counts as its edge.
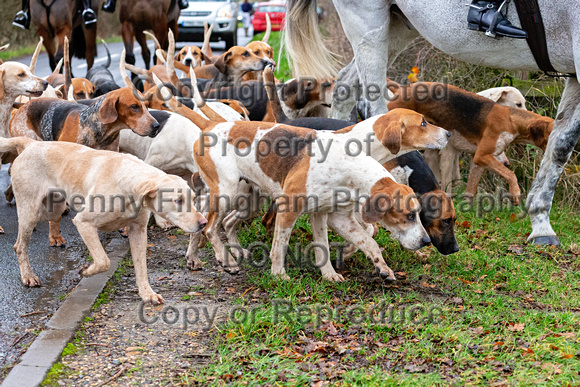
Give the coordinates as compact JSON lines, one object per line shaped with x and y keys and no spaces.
{"x":57,"y":268}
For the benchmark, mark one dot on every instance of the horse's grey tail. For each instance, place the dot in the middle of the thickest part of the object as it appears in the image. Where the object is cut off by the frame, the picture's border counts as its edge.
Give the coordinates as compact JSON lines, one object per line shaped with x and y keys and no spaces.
{"x":310,"y":57}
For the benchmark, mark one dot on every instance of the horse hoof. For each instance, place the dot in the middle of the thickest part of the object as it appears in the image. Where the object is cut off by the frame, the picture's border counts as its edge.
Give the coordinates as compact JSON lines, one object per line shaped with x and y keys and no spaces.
{"x":546,"y":240}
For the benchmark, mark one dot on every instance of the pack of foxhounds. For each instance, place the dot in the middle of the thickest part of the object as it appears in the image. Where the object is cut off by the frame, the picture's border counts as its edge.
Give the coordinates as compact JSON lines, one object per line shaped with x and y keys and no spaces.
{"x":174,"y":146}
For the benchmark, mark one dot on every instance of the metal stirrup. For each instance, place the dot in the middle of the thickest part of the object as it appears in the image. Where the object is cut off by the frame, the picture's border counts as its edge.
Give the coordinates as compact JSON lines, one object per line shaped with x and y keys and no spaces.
{"x":491,"y":30}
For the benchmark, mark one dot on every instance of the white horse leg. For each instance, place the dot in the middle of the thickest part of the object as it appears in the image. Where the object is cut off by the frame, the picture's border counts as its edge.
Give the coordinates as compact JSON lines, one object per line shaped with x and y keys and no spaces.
{"x":560,"y":146}
{"x":368,"y":37}
{"x":344,"y":98}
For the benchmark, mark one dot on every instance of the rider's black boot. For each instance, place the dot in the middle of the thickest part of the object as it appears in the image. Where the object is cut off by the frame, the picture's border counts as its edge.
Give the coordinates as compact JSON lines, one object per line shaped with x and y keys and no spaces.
{"x":487,"y":16}
{"x":89,"y":16}
{"x":109,"y":6}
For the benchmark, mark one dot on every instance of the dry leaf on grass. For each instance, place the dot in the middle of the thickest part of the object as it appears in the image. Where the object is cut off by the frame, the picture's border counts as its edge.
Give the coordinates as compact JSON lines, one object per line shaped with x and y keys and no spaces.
{"x":512,"y":327}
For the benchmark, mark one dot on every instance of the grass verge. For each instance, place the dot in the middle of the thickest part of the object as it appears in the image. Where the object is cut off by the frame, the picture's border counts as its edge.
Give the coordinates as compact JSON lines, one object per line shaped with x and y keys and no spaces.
{"x":283,"y":71}
{"x":498,"y":312}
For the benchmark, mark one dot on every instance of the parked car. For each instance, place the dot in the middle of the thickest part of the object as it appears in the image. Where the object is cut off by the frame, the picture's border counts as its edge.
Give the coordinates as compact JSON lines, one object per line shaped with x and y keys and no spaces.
{"x":277,"y":13}
{"x":223,"y":14}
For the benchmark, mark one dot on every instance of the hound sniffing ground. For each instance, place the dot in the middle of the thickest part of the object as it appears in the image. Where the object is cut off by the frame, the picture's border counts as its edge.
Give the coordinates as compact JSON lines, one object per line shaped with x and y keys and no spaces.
{"x":498,"y":312}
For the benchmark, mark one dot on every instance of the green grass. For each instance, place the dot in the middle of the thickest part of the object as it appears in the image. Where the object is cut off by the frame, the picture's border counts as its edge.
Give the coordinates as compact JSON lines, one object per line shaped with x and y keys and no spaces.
{"x":507,"y":314}
{"x":17,"y":53}
{"x":283,"y":71}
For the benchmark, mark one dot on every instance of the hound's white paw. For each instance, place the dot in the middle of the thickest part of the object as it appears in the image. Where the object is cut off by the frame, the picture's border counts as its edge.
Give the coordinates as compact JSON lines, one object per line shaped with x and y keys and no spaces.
{"x":281,"y":275}
{"x":30,"y":280}
{"x":335,"y":277}
{"x":164,"y":224}
{"x":195,"y":264}
{"x":152,"y":298}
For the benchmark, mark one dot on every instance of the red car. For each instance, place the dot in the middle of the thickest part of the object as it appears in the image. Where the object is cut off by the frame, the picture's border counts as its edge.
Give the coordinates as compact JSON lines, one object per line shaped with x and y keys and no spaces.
{"x":277,"y":13}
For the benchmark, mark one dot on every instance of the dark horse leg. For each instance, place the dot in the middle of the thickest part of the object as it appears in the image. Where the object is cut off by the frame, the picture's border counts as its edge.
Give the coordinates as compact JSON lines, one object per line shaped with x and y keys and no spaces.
{"x":61,"y":33}
{"x":127,"y":33}
{"x":560,"y":146}
{"x":90,"y":35}
{"x":142,"y":40}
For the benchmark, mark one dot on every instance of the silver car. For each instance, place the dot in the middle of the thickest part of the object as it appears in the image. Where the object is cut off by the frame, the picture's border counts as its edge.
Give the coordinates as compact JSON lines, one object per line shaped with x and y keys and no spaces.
{"x":223,"y":14}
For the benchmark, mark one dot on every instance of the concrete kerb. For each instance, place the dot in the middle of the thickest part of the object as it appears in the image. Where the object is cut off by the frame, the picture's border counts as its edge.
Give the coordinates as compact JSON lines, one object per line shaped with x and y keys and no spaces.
{"x":48,"y":346}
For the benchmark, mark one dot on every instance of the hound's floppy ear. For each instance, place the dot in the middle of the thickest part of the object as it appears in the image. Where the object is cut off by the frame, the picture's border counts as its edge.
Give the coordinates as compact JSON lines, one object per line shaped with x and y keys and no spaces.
{"x":540,"y":130}
{"x":496,"y":95}
{"x":375,"y":207}
{"x":197,"y":181}
{"x":392,"y":136}
{"x":147,"y":190}
{"x":178,"y":57}
{"x":221,"y":63}
{"x":203,"y":57}
{"x":108,"y":112}
{"x":2,"y":84}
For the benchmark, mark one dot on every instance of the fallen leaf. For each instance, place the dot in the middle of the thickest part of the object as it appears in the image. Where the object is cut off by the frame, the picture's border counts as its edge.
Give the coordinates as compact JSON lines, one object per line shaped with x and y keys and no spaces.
{"x":426,"y":285}
{"x":567,"y":356}
{"x":162,"y":278}
{"x":513,"y":218}
{"x":466,"y":282}
{"x":465,"y":224}
{"x":516,"y":327}
{"x":331,"y":329}
{"x":172,"y":237}
{"x":554,"y":348}
{"x":457,"y":300}
{"x":527,"y":351}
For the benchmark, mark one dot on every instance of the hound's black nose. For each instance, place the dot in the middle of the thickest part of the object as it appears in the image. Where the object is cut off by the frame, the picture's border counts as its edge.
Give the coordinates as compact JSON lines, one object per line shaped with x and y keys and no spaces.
{"x":44,"y":84}
{"x":188,"y":62}
{"x":156,"y":128}
{"x":448,"y":134}
{"x":426,"y":241}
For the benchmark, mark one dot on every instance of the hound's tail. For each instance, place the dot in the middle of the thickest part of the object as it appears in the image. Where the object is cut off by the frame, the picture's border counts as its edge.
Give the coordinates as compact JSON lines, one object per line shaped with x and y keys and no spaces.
{"x":35,"y":56}
{"x":270,"y":84}
{"x":268,"y":29}
{"x":14,"y":144}
{"x":67,"y":89}
{"x":305,"y":45}
{"x":108,"y":63}
{"x":206,"y":48}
